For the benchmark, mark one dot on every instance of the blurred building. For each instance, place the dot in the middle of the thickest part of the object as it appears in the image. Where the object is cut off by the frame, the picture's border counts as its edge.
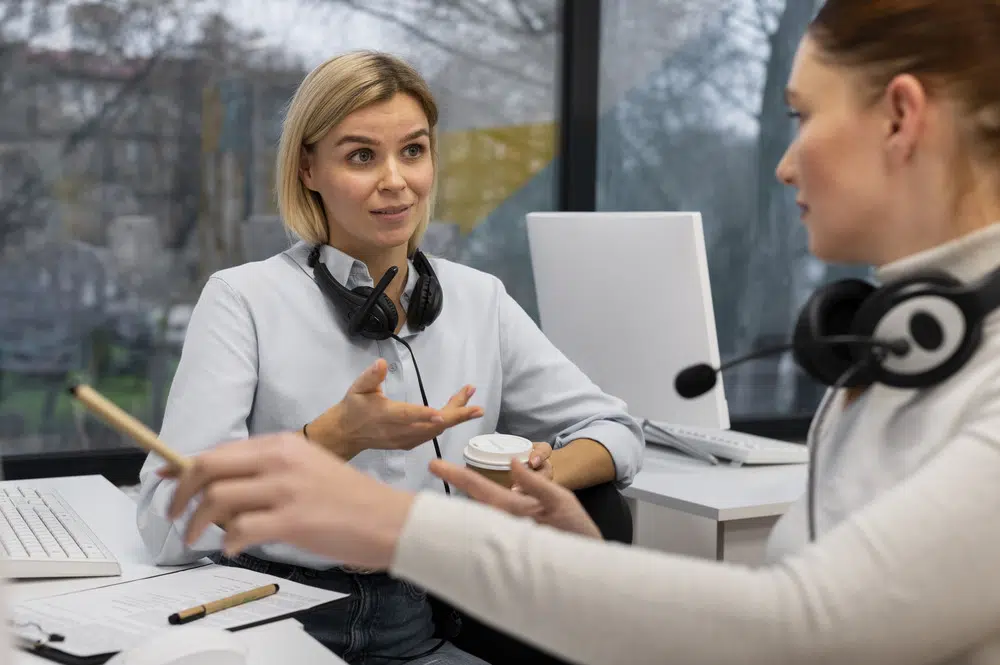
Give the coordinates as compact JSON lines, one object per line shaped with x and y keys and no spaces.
{"x":95,"y":137}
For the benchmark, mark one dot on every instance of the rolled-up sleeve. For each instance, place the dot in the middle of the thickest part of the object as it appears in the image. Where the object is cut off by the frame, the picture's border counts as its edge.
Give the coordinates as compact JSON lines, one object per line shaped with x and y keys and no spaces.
{"x":209,"y":402}
{"x":545,"y":397}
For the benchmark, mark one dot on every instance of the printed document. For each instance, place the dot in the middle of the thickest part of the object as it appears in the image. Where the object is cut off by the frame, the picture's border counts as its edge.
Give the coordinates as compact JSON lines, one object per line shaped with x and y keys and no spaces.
{"x":117,"y":617}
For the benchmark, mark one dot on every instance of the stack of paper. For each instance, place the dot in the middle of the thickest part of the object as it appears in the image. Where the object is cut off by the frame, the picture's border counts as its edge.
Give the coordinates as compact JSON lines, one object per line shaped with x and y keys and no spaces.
{"x":120,"y":616}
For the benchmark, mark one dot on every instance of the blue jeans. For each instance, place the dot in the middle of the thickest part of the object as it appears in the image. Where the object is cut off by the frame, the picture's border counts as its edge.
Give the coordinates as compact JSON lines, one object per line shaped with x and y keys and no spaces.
{"x":383,"y":621}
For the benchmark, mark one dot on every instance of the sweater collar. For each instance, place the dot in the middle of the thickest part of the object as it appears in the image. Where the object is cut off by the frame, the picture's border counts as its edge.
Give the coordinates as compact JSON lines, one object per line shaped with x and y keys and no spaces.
{"x":967,"y":258}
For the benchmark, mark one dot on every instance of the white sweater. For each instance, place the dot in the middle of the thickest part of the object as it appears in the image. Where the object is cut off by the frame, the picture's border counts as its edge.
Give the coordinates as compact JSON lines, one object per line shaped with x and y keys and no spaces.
{"x":906,"y":568}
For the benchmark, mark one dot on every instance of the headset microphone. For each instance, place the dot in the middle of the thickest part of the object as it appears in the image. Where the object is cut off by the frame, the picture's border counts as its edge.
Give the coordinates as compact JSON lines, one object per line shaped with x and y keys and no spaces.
{"x":910,"y":333}
{"x":370,"y":314}
{"x":358,"y":319}
{"x":698,"y":379}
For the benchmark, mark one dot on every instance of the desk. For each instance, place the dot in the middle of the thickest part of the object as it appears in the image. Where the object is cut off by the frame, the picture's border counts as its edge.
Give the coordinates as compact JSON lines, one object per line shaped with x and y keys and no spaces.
{"x":687,"y":506}
{"x":111,"y":516}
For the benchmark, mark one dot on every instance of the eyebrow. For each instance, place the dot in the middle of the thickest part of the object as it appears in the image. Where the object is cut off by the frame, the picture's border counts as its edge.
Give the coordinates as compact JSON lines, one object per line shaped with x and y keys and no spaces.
{"x":366,"y":140}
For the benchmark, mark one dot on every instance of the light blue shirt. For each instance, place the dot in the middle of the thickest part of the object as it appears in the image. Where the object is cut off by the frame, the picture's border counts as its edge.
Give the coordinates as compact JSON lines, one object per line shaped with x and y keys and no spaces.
{"x":265,"y":352}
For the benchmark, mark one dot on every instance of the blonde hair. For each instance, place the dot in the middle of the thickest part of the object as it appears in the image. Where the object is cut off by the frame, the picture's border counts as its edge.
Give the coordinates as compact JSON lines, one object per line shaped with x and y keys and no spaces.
{"x":328,"y":94}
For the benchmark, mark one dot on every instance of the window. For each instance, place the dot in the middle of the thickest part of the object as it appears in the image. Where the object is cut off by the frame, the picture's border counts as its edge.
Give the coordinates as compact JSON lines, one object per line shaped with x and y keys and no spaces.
{"x":147,"y":163}
{"x":694,"y":119}
{"x":139,"y":158}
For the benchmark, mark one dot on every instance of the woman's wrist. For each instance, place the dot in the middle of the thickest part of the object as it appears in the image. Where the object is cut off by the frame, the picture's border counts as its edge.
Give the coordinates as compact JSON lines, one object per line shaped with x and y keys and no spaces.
{"x":326,"y":430}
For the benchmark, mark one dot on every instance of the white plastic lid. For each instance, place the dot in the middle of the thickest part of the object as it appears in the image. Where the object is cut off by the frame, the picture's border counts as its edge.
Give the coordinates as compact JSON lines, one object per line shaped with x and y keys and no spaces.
{"x":497,"y":451}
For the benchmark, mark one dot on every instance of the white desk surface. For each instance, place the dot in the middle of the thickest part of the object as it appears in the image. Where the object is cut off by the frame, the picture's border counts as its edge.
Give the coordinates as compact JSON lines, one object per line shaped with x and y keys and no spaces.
{"x":111,"y":515}
{"x":722,"y":493}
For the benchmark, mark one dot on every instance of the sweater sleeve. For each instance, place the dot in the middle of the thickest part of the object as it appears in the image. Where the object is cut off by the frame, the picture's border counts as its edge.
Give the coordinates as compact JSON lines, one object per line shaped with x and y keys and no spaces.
{"x":912,"y":579}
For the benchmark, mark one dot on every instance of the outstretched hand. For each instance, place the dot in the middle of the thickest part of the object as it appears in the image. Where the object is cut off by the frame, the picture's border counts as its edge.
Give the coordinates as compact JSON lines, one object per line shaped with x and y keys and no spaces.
{"x":282,"y":488}
{"x":537,"y":497}
{"x":365,"y":418}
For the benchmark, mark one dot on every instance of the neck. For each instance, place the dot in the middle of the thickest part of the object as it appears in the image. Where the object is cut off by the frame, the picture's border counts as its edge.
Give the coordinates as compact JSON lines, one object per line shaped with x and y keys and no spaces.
{"x":378,"y":261}
{"x":966,"y":258}
{"x":975,"y":209}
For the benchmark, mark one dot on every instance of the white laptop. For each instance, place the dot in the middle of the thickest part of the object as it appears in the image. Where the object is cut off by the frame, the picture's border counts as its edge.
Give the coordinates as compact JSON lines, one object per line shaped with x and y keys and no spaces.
{"x":626,"y":296}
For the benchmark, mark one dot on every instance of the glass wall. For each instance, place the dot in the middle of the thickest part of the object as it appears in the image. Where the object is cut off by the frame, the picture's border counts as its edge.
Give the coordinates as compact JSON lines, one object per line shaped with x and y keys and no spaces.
{"x":137,"y":146}
{"x":693,"y":118}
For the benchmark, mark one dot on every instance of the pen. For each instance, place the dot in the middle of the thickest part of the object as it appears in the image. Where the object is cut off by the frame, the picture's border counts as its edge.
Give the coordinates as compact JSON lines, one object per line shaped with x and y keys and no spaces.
{"x":125,"y":422}
{"x":200,"y":611}
{"x":25,"y":643}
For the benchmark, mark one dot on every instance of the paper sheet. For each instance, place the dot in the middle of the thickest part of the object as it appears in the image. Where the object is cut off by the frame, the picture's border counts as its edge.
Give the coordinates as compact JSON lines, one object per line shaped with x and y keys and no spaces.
{"x":113,"y":618}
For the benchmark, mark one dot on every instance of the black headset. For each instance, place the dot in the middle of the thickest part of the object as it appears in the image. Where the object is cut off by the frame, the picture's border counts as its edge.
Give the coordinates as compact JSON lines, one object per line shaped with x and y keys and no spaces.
{"x":371,"y":314}
{"x":914,"y":332}
{"x":934,"y":320}
{"x":368,"y":311}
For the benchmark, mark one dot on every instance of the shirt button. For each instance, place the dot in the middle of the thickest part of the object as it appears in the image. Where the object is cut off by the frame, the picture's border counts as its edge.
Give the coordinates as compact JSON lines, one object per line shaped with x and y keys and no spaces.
{"x":393,"y":367}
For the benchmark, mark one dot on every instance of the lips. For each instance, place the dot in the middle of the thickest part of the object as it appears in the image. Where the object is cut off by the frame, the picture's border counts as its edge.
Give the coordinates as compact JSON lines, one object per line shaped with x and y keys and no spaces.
{"x":391,"y":210}
{"x":803,"y":208}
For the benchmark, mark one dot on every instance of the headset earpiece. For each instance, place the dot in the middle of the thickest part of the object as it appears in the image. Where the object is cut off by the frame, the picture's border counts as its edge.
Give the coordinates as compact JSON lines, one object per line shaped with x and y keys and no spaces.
{"x":829,"y":312}
{"x":927,"y":311}
{"x":937,"y":318}
{"x":368,"y":311}
{"x":427,"y":299}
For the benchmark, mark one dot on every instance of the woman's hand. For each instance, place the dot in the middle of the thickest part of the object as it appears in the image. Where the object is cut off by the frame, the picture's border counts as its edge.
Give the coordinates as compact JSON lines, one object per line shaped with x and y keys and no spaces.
{"x":366,"y":418}
{"x":538,"y":497}
{"x":539,"y":462}
{"x":282,"y":488}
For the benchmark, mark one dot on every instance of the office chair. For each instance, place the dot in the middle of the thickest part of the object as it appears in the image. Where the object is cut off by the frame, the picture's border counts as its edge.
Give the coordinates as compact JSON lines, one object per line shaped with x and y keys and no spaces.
{"x":609,"y":510}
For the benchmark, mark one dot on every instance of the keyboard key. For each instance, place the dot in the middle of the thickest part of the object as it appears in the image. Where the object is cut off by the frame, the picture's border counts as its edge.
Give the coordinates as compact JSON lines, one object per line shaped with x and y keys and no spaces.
{"x":43,"y":537}
{"x":11,"y":544}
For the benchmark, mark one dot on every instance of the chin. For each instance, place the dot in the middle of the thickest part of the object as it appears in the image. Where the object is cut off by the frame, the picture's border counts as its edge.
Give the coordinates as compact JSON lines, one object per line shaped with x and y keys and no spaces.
{"x":391,"y":240}
{"x":835,"y":250}
{"x":823,"y":249}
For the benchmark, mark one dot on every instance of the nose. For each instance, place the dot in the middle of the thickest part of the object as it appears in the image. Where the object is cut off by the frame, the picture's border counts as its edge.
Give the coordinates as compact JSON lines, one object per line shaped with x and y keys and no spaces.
{"x":392,"y":177}
{"x":784,"y":172}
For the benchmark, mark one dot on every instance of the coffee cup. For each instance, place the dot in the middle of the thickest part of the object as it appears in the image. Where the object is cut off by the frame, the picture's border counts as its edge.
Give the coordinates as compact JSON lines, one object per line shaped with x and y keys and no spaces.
{"x":490,"y":455}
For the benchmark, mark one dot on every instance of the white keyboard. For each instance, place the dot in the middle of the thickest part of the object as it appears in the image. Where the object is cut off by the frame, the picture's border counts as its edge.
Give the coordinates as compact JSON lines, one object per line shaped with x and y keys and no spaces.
{"x":41,"y":536}
{"x":737,"y":447}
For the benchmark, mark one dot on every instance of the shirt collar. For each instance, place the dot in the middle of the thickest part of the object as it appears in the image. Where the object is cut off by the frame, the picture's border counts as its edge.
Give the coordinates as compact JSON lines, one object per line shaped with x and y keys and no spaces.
{"x":348,"y":270}
{"x":967,"y":258}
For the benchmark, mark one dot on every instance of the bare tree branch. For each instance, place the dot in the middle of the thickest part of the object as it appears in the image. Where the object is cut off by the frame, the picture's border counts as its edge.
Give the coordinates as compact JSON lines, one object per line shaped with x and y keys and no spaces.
{"x":32,"y":186}
{"x":763,"y":18}
{"x":704,"y":68}
{"x":476,"y":12}
{"x":442,"y":45}
{"x":527,"y":20}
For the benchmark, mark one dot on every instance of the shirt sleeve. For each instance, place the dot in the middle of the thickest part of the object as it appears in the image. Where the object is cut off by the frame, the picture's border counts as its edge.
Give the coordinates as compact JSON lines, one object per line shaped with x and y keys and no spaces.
{"x":209,"y":402}
{"x":545,"y":397}
{"x":912,"y":579}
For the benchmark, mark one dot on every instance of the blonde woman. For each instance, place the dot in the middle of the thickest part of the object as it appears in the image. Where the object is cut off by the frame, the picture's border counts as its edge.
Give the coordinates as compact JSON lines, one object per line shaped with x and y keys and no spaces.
{"x":385,"y":382}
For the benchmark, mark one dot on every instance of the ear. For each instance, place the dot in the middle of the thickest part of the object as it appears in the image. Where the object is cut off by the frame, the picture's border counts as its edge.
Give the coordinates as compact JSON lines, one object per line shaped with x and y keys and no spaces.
{"x":306,"y":168}
{"x":906,"y":110}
